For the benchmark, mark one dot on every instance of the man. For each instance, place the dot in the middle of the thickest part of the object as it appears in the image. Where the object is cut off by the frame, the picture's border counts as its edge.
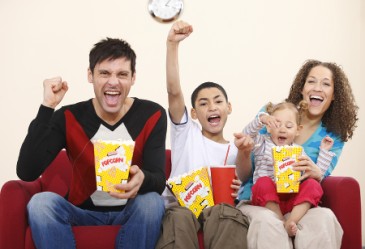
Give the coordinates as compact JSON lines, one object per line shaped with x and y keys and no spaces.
{"x":111,"y":116}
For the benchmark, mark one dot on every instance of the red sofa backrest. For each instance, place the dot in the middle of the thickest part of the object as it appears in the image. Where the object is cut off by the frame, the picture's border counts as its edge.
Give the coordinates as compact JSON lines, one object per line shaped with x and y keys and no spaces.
{"x":168,"y":163}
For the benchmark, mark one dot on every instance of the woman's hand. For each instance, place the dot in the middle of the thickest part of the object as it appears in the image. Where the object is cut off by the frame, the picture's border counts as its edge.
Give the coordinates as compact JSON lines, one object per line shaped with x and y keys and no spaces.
{"x":308,"y":167}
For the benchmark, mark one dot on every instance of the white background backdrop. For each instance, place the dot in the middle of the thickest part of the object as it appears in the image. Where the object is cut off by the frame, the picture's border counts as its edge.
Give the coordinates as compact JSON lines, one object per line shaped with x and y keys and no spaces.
{"x":252,"y":48}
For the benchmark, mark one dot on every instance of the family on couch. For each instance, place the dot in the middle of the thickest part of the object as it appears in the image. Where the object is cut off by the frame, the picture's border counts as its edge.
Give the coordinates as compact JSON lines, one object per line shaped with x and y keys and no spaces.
{"x":148,"y":220}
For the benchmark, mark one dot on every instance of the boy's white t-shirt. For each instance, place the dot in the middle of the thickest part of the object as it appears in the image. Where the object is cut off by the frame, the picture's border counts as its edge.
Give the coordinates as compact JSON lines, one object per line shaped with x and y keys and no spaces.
{"x":191,"y":150}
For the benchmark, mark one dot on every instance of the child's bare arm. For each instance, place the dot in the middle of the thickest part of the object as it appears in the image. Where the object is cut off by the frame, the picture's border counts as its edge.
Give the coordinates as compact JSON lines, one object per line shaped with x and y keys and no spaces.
{"x":178,"y":32}
{"x":244,"y":144}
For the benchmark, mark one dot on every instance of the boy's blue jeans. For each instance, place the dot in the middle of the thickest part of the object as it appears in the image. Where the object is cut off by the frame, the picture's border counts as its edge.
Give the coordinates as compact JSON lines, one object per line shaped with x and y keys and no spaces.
{"x":51,"y":218}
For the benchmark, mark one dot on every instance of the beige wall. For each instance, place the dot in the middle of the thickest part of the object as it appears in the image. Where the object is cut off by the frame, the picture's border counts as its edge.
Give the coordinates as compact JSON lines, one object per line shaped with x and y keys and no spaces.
{"x":253,"y":48}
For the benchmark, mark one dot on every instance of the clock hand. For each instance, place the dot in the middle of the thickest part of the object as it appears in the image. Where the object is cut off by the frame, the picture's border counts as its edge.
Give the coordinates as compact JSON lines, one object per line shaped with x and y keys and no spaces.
{"x":167,"y":3}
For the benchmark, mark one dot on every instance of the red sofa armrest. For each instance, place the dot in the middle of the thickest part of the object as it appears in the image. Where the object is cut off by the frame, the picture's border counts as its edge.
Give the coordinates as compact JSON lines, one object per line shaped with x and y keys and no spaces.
{"x":14,"y":198}
{"x":342,"y":196}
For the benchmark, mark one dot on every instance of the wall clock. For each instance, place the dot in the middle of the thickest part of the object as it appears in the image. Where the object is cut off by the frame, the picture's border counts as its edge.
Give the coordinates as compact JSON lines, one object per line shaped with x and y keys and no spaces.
{"x":165,"y":10}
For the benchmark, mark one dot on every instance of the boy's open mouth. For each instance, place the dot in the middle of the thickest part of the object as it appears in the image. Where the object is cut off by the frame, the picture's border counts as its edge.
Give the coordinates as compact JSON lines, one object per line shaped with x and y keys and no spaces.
{"x":214,"y":119}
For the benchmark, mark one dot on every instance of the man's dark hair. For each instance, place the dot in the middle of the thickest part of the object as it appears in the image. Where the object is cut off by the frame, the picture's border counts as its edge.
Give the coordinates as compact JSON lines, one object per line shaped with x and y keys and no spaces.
{"x":204,"y":85}
{"x":111,"y":49}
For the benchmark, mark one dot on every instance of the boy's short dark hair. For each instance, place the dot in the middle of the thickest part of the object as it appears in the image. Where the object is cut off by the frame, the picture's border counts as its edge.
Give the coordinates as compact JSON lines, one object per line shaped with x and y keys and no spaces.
{"x":204,"y":85}
{"x":111,"y":49}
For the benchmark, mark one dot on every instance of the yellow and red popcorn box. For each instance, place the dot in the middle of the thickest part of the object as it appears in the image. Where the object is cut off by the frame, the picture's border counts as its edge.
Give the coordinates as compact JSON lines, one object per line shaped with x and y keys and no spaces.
{"x":112,"y":162}
{"x":285,"y":177}
{"x":193,"y":190}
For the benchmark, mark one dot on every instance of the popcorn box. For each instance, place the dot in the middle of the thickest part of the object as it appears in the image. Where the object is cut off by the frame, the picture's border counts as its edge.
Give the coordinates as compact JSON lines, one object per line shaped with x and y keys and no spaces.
{"x":112,"y":162}
{"x":285,"y":177}
{"x":193,"y":190}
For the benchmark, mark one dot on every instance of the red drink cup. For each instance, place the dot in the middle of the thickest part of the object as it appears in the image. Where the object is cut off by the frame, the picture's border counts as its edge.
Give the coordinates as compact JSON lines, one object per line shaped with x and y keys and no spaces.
{"x":222,"y":177}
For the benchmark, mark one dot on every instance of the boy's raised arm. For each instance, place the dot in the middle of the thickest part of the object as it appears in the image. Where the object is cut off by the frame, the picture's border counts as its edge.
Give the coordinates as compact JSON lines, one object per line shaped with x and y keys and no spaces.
{"x":178,"y":32}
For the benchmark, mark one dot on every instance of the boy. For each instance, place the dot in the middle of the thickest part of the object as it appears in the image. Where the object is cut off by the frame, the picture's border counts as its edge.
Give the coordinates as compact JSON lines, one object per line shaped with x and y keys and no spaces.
{"x":194,"y":145}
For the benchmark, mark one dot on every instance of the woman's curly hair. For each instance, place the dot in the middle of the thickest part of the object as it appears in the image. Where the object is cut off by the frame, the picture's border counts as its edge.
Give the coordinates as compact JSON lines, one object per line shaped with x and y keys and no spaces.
{"x":341,"y":116}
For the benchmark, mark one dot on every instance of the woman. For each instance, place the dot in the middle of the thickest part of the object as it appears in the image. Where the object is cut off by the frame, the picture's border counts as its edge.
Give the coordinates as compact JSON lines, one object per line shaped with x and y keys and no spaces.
{"x":332,"y":111}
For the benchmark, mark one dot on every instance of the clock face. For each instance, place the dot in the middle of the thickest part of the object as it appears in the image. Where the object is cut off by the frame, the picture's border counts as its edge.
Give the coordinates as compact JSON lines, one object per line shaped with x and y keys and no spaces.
{"x":165,"y":10}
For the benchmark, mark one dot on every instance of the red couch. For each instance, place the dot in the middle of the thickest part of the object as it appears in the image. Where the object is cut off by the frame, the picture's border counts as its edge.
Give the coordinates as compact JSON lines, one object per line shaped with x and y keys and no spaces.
{"x":342,"y":195}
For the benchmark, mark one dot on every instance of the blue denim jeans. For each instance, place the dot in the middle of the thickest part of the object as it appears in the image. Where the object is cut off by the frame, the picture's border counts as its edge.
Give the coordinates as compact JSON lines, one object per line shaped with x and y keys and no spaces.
{"x":51,"y":218}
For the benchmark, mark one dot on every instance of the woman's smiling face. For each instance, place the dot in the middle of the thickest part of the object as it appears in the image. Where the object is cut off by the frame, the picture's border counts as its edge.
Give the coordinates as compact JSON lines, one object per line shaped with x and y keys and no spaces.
{"x":318,"y":90}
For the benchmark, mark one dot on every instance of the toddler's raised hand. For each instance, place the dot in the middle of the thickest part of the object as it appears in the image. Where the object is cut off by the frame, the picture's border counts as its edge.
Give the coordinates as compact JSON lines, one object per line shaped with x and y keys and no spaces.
{"x":327,"y":143}
{"x":269,"y":121}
